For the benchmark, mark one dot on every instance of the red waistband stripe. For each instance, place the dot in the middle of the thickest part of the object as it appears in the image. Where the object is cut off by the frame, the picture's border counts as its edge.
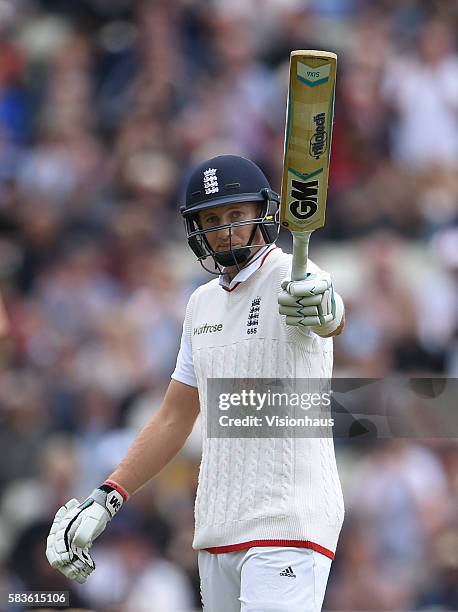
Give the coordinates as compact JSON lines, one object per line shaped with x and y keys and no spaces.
{"x":287,"y":543}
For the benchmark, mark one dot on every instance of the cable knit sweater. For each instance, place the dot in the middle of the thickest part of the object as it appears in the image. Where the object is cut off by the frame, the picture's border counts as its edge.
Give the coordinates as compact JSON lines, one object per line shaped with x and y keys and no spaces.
{"x":271,"y":491}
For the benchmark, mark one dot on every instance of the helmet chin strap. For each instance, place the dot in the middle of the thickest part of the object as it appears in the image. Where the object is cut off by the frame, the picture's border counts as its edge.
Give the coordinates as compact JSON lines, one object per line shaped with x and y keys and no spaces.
{"x":237,"y":257}
{"x":233,"y":257}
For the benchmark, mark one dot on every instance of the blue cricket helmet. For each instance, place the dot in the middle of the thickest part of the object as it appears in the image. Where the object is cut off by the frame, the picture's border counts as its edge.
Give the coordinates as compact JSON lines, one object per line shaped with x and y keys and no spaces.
{"x":223,"y":180}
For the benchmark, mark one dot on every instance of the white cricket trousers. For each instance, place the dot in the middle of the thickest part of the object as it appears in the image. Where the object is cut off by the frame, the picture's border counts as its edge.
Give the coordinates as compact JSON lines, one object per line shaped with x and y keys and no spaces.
{"x":263,"y":579}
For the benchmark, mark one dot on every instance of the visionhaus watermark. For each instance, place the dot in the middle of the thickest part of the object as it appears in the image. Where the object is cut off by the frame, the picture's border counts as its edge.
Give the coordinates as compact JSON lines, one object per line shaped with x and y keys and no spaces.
{"x":341,"y":408}
{"x":268,"y":408}
{"x":265,"y":404}
{"x":274,"y":421}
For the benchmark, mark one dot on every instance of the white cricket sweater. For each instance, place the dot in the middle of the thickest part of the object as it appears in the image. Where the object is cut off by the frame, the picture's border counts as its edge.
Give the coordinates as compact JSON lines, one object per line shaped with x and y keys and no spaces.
{"x":262,"y":491}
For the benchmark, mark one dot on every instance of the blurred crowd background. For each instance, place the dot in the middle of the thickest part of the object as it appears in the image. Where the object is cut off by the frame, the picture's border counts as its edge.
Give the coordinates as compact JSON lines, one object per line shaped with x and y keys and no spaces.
{"x":105,"y":107}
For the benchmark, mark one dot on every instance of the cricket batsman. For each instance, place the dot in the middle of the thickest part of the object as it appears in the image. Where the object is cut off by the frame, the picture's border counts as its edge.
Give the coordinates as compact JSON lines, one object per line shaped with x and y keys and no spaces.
{"x":268,"y":511}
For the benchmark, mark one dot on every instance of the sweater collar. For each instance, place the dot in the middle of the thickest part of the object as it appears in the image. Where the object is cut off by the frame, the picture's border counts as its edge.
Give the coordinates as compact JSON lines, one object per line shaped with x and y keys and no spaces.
{"x":248,"y":271}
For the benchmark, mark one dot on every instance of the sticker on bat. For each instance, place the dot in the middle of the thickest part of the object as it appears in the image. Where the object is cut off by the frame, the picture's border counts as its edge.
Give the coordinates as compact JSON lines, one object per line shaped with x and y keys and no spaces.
{"x":305,"y":203}
{"x":318,"y":142}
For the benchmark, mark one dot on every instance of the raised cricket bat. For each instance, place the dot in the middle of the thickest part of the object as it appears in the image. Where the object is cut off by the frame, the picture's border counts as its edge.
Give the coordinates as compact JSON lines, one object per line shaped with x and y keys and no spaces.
{"x":309,"y":117}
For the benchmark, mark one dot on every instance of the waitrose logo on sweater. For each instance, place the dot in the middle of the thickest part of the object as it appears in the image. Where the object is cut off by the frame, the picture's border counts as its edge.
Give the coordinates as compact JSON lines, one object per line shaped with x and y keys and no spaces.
{"x":208,"y":329}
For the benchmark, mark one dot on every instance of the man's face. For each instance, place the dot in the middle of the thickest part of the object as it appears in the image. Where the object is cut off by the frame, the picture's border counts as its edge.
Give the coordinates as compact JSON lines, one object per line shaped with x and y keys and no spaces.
{"x":220,"y":240}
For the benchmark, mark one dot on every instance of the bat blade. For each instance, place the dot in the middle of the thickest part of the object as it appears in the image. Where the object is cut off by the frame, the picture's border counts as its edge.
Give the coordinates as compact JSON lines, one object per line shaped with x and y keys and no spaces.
{"x":308,"y":133}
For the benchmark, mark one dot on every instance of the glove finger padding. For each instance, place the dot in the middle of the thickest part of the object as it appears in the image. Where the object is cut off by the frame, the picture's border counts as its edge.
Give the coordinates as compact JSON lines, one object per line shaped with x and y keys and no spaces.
{"x":74,"y":563}
{"x":310,"y":303}
{"x":305,"y":311}
{"x":57,"y":552}
{"x":308,"y":321}
{"x":312,"y":285}
{"x":77,"y":570}
{"x":84,"y":555}
{"x":285,"y":299}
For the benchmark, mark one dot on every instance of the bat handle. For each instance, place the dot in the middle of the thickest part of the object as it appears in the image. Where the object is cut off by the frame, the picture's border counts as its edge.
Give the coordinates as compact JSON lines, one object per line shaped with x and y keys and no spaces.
{"x":300,"y":254}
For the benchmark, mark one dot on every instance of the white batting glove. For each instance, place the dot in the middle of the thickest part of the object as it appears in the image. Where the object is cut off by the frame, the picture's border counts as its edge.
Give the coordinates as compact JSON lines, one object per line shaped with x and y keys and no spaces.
{"x":76,"y":526}
{"x":311,"y":303}
{"x":76,"y":565}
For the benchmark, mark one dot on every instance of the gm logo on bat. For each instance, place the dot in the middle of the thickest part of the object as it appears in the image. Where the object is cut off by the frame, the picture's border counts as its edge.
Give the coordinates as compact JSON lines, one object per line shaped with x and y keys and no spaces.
{"x":305,"y":203}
